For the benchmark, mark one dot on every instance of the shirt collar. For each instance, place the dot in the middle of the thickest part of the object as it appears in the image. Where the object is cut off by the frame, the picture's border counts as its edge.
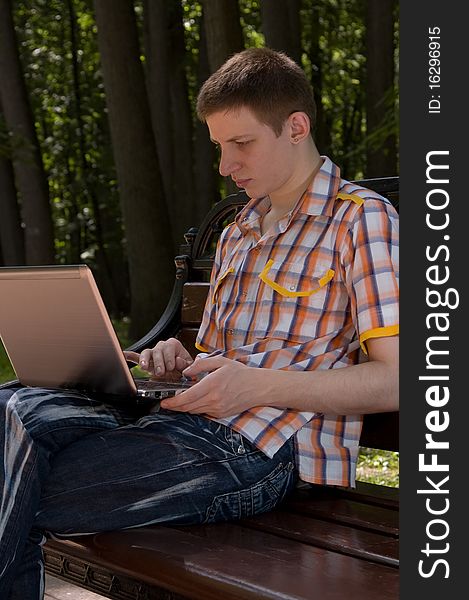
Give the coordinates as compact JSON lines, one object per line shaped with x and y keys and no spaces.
{"x":317,"y":200}
{"x":321,"y":194}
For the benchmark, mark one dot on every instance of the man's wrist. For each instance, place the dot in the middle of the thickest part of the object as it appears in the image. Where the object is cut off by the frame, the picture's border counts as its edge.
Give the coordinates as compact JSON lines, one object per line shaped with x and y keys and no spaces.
{"x":269,"y":387}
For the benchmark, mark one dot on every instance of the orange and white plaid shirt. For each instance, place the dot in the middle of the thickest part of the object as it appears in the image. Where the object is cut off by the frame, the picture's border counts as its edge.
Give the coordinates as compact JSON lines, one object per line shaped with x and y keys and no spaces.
{"x":305,"y":296}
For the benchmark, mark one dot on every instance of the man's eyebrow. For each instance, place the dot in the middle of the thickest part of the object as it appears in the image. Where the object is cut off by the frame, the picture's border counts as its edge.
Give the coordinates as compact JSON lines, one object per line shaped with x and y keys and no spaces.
{"x":233,"y":139}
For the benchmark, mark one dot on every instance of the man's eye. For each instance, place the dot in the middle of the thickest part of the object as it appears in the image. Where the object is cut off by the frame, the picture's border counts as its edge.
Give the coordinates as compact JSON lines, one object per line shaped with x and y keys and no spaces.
{"x":242,"y":143}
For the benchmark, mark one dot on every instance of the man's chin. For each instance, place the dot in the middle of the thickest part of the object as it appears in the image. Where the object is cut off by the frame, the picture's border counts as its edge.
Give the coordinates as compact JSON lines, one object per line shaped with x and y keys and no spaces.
{"x":251,"y":189}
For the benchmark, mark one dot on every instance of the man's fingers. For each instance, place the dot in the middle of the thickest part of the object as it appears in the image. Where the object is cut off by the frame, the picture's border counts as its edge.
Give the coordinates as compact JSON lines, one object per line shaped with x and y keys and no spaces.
{"x":168,"y":352}
{"x":145,"y":359}
{"x":160,"y":365}
{"x":132,"y":356}
{"x":185,"y":402}
{"x":165,"y":357}
{"x":182,"y":363}
{"x":195,"y":394}
{"x":205,"y":365}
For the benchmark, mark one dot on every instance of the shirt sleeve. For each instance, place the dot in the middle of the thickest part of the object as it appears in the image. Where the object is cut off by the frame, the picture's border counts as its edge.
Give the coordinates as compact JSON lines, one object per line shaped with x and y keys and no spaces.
{"x":370,"y":256}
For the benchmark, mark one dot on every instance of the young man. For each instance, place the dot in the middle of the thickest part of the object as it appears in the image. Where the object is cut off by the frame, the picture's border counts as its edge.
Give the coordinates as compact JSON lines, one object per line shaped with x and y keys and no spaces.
{"x":305,"y":276}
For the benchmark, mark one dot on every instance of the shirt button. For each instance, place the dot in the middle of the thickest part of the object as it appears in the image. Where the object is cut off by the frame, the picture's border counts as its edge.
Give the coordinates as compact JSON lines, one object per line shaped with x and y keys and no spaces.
{"x":292,"y":288}
{"x":230,"y":332}
{"x":244,"y":293}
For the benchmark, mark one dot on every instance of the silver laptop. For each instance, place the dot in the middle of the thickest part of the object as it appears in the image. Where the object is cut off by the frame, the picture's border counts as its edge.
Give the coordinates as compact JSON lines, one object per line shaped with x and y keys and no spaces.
{"x":57,"y":334}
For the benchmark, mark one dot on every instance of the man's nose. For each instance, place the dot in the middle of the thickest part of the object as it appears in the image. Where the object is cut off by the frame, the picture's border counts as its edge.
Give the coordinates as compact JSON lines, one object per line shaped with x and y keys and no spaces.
{"x":228,"y":164}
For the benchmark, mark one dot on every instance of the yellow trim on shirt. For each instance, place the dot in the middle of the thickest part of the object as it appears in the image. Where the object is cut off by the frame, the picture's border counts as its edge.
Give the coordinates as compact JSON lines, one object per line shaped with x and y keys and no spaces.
{"x":326,"y":278}
{"x":199,"y":347}
{"x":352,"y":197}
{"x":219,"y":280}
{"x":377,"y":333}
{"x":284,"y":292}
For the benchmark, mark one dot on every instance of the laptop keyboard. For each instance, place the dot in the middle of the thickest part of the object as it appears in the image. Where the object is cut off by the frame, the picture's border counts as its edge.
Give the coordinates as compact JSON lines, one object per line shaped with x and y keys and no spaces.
{"x":151,"y":384}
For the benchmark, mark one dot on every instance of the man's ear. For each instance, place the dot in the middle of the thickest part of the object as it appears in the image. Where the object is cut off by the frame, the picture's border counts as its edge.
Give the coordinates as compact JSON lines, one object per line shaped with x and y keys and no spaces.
{"x":299,"y":126}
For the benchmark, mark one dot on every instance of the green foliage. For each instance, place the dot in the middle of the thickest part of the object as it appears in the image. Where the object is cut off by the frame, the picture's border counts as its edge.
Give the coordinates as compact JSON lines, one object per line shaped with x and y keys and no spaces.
{"x":379,"y":467}
{"x":121,"y":327}
{"x":334,"y":57}
{"x":251,"y":23}
{"x":6,"y":371}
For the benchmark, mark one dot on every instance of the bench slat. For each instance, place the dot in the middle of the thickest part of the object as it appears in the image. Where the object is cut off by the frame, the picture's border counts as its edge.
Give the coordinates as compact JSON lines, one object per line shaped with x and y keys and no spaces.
{"x":234,"y":563}
{"x":368,"y":493}
{"x":346,"y":512}
{"x":375,"y":547}
{"x":365,"y":493}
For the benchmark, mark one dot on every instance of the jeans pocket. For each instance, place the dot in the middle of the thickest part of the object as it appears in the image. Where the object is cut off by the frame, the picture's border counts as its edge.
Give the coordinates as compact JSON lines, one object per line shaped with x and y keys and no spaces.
{"x":238,"y":443}
{"x":269,"y":492}
{"x":258,"y":498}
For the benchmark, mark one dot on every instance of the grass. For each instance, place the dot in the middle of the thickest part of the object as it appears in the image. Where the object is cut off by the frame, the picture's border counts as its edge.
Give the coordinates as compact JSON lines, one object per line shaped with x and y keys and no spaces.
{"x":378,"y":466}
{"x":121,"y":327}
{"x":6,"y":370}
{"x":374,"y":466}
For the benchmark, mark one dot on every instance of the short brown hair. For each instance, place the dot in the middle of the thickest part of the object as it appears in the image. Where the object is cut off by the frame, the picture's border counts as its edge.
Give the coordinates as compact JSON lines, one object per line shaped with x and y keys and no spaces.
{"x":268,"y":82}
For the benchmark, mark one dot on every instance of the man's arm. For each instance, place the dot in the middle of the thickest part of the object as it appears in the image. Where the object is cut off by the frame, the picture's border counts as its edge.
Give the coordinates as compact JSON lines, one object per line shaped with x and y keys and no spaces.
{"x":231,"y":387}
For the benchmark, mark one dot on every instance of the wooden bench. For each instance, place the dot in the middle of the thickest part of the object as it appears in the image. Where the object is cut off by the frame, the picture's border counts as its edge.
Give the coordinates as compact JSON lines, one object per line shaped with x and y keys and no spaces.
{"x":322,"y":543}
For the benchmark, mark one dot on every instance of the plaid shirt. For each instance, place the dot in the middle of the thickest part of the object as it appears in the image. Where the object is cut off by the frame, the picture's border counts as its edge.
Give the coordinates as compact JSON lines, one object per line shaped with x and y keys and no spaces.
{"x":302,"y":297}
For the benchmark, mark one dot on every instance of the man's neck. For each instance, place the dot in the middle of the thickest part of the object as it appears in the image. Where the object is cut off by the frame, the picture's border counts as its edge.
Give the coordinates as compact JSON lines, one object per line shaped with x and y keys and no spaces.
{"x":308,"y":166}
{"x":285,"y":200}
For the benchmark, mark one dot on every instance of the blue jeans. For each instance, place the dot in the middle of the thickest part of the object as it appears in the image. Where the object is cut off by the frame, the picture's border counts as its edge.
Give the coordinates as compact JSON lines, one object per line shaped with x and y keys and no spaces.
{"x":74,"y":465}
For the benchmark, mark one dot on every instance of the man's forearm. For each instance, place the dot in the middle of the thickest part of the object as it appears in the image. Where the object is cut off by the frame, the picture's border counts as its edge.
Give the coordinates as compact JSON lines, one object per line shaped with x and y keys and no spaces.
{"x":358,"y":389}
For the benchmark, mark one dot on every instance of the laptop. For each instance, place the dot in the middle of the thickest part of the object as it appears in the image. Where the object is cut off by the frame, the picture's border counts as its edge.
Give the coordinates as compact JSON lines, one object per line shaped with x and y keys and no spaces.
{"x":57,"y":334}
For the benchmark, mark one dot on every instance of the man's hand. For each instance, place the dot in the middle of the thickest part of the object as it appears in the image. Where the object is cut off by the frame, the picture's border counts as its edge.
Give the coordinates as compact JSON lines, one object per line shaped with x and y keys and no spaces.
{"x":226,"y":388}
{"x":168,"y":358}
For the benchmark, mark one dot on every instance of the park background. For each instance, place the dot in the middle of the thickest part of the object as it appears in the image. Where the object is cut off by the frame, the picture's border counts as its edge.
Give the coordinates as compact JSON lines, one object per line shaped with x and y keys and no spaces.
{"x":102,"y":158}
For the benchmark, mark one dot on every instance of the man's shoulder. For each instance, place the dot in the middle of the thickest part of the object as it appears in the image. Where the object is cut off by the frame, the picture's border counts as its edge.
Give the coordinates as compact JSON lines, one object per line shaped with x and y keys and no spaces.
{"x":353,"y":200}
{"x":229,"y":237}
{"x":358,"y":194}
{"x":230,"y":231}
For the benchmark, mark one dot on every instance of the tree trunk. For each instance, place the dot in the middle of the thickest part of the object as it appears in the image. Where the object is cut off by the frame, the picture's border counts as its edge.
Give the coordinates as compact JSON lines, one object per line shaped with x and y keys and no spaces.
{"x":27,"y":163}
{"x":322,"y":128}
{"x":206,"y":180}
{"x":11,"y":234}
{"x":224,"y":38}
{"x":147,"y":226}
{"x":281,"y":26}
{"x":171,"y":113}
{"x":156,"y":42}
{"x":380,"y":83}
{"x":223,"y":30}
{"x":75,"y":128}
{"x":85,"y":179}
{"x":184,"y":187}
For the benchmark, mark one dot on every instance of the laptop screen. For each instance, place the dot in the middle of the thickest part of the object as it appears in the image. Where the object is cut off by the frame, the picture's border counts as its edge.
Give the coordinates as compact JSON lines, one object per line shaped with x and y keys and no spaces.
{"x":57,"y":332}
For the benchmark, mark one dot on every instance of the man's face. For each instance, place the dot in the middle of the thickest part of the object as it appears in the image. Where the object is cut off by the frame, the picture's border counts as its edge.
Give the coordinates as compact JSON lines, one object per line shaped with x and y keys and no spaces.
{"x":251,"y":154}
